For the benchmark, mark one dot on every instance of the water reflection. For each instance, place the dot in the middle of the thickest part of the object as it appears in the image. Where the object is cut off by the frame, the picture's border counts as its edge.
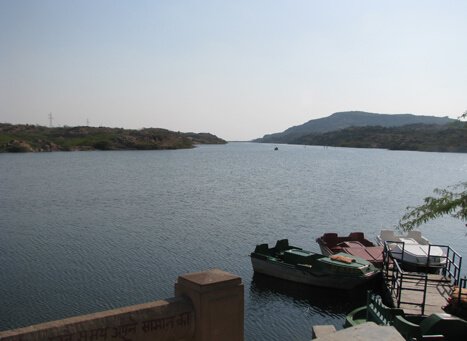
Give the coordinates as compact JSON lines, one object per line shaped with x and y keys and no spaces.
{"x":281,"y":309}
{"x":322,"y":301}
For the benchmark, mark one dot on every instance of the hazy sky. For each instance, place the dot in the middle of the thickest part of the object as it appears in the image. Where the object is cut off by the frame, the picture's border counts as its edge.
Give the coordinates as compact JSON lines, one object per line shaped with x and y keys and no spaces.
{"x":238,"y":69}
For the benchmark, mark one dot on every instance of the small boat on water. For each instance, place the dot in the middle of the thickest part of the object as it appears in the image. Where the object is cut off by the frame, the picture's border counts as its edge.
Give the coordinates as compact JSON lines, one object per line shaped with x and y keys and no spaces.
{"x":354,"y":244}
{"x":340,"y":271}
{"x":438,"y":326}
{"x":413,"y":251}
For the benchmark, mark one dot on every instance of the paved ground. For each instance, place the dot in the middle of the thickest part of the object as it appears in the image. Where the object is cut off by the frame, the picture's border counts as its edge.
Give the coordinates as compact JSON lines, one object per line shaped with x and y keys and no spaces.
{"x":366,"y":331}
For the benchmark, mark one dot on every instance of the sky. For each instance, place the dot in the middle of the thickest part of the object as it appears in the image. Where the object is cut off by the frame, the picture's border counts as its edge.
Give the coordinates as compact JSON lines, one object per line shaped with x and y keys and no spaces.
{"x":237,"y":69}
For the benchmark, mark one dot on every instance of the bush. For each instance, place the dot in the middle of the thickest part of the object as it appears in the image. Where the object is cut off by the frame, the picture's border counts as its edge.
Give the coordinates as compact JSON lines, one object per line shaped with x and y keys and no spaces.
{"x":102,"y":145}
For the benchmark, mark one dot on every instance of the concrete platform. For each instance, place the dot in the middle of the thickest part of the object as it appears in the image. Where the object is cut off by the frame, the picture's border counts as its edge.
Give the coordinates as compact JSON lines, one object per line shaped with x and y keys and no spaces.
{"x":367,"y":331}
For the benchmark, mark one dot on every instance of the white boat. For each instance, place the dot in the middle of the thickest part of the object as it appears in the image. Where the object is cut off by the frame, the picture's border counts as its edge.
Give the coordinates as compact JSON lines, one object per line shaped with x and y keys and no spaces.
{"x":413,"y":250}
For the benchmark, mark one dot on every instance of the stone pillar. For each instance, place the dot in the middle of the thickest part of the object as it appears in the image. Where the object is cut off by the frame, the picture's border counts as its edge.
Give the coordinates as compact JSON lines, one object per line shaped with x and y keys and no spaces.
{"x":217,"y":297}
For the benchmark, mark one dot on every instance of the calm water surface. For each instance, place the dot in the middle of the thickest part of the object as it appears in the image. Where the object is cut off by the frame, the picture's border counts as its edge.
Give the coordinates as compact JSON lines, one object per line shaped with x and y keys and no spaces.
{"x":88,"y":231}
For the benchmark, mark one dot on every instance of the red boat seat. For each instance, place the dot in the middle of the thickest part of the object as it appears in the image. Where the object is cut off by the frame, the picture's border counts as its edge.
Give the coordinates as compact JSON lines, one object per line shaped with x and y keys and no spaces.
{"x":330,"y":239}
{"x":357,"y":236}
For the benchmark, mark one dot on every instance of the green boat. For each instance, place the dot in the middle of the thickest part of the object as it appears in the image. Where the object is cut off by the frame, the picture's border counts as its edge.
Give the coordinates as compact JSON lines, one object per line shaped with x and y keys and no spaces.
{"x":411,"y":327}
{"x":340,"y":271}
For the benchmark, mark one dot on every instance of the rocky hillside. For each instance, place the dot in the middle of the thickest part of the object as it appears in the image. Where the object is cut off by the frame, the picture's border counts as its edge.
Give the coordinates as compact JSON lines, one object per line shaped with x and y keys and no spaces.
{"x":32,"y":138}
{"x":418,"y":137}
{"x":342,"y":120}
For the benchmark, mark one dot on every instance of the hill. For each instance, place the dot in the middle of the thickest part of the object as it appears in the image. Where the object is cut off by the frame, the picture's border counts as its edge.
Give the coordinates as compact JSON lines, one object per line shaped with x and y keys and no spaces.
{"x":32,"y":138}
{"x":418,"y":137}
{"x":342,"y":120}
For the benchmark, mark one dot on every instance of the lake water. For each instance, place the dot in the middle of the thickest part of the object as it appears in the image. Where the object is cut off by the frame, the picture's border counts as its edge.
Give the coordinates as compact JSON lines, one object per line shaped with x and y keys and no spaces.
{"x":82,"y":232}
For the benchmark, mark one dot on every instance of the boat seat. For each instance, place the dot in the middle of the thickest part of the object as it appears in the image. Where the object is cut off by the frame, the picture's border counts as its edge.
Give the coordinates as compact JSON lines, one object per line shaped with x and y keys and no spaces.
{"x":417,"y":235}
{"x":452,"y":327}
{"x":387,"y":235}
{"x":409,"y":330}
{"x":282,"y":245}
{"x":262,"y":249}
{"x":356,"y":236}
{"x":330,"y":239}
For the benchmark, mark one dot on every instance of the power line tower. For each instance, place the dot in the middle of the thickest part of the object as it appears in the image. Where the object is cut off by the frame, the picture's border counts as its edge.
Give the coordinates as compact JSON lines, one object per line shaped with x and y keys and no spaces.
{"x":87,"y":122}
{"x":50,"y":120}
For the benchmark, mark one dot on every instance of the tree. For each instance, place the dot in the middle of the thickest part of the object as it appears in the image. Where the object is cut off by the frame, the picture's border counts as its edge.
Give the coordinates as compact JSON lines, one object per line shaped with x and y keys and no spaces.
{"x":447,"y":202}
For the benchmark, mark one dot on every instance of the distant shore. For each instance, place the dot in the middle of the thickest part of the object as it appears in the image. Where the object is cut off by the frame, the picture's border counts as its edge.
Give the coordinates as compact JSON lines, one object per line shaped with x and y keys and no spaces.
{"x":22,"y":138}
{"x":416,"y":137}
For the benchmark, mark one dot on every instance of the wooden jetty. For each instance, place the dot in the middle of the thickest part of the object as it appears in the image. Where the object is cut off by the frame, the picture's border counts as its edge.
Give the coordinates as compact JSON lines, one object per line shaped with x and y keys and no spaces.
{"x":438,"y":289}
{"x":421,"y":293}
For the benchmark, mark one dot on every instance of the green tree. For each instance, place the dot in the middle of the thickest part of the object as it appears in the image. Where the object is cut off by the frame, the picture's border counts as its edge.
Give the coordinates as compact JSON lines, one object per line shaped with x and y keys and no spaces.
{"x":451,"y":201}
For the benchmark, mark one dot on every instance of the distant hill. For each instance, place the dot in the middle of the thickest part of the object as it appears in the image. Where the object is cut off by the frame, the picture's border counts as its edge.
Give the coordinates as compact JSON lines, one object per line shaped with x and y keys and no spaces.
{"x":342,"y":120}
{"x":32,"y":138}
{"x":417,"y":137}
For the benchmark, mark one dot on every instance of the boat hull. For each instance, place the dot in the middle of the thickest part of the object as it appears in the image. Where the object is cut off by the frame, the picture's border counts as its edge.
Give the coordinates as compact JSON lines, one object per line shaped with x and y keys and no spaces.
{"x":325,"y":250}
{"x":417,"y":264}
{"x":292,"y":273}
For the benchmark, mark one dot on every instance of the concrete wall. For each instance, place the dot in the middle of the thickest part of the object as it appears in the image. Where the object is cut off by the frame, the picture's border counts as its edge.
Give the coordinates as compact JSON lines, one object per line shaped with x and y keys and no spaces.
{"x":207,"y":306}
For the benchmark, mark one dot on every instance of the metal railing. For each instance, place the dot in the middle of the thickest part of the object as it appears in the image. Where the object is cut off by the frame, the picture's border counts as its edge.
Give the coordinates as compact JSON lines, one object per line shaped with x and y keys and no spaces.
{"x":462,"y":293}
{"x":396,"y":277}
{"x":449,"y":268}
{"x":453,"y":265}
{"x":393,"y":261}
